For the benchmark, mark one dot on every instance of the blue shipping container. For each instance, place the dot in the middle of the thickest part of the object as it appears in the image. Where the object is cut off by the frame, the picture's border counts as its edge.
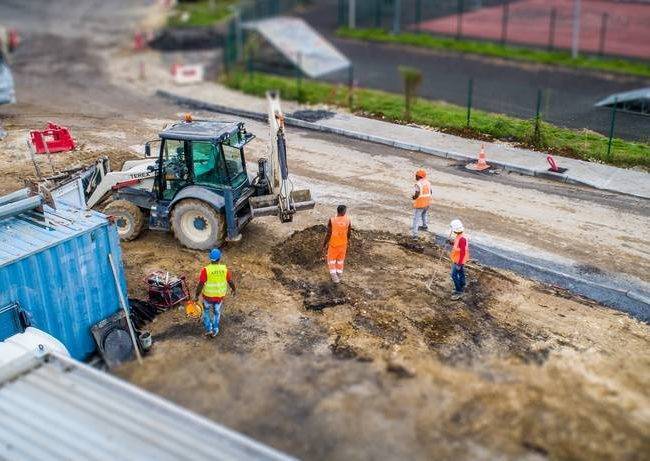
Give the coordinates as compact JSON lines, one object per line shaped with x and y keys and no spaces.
{"x":55,"y":274}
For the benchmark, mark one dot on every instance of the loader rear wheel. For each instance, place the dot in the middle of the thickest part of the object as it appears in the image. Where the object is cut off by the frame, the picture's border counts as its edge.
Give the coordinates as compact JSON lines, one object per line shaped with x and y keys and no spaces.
{"x":197,"y":225}
{"x":128,"y":218}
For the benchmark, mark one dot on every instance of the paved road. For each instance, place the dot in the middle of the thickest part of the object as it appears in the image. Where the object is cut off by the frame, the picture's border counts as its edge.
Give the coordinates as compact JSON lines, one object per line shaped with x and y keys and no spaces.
{"x":502,"y":87}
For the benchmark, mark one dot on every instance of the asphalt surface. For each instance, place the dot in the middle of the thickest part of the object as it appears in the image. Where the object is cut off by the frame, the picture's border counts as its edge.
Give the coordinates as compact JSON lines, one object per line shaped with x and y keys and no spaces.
{"x":499,"y":86}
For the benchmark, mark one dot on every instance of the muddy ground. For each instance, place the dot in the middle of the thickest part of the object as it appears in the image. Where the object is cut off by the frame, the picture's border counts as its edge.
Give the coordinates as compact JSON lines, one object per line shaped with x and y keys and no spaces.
{"x":379,"y":368}
{"x":516,"y":370}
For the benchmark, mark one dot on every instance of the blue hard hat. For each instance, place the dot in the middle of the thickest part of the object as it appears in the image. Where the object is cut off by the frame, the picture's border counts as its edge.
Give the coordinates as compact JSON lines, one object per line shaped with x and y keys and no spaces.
{"x":215,"y":254}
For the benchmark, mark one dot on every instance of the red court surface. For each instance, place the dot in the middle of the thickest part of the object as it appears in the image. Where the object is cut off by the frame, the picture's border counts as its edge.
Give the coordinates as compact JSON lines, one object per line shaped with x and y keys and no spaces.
{"x":627,"y":30}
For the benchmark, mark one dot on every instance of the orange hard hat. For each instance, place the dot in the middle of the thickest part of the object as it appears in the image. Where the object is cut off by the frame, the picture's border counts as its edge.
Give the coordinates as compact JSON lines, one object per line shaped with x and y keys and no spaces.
{"x":421,"y":173}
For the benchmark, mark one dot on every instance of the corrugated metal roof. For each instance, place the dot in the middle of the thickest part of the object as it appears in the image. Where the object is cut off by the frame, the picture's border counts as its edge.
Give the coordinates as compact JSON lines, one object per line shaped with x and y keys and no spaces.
{"x":30,"y":232}
{"x":57,"y":408}
{"x":300,"y":44}
{"x":626,"y":96}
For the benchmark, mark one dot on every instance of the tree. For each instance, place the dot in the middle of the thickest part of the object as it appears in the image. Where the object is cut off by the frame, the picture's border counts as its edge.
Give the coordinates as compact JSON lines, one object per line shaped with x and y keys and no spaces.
{"x":412,"y":79}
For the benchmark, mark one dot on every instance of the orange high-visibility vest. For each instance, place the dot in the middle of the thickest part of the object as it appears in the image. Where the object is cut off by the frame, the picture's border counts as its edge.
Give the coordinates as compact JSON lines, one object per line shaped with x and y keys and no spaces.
{"x":455,"y":251}
{"x":424,"y":199}
{"x":340,"y":226}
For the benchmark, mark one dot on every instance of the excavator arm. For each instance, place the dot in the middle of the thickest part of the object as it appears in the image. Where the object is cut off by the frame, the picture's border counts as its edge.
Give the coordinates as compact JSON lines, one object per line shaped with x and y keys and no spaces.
{"x":282,"y":200}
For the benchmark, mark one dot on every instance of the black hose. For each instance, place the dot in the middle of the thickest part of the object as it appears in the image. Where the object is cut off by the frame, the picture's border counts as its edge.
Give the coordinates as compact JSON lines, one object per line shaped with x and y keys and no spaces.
{"x":282,"y":155}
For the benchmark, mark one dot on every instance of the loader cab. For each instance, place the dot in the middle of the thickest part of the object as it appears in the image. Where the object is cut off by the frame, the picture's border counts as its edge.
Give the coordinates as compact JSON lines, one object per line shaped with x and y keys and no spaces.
{"x":205,"y":153}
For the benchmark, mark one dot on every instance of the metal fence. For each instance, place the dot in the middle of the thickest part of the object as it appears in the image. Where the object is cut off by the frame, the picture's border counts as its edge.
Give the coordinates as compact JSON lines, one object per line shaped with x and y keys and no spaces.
{"x":251,"y":10}
{"x":543,"y":94}
{"x":604,"y":27}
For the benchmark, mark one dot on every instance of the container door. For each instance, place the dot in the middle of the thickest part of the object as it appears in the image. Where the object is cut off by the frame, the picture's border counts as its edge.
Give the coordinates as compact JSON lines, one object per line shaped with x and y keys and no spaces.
{"x":10,"y":323}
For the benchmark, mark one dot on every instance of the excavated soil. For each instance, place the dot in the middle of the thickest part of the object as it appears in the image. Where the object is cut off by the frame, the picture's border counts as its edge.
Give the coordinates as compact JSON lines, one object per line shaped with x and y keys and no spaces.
{"x":385,"y":285}
{"x":379,"y":367}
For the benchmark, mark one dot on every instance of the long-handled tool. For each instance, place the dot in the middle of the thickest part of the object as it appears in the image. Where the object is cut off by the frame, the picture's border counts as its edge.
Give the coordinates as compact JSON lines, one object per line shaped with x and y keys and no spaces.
{"x":430,"y":282}
{"x":126,"y":310}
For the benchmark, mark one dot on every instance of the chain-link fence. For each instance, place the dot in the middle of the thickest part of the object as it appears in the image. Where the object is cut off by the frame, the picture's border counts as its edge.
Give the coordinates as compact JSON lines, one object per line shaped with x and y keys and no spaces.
{"x":603,"y":27}
{"x":475,"y":87}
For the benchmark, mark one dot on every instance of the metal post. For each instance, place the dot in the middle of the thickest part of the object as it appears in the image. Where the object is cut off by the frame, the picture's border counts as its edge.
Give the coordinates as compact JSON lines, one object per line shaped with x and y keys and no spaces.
{"x":378,"y":13}
{"x":239,"y":45}
{"x":418,"y":14}
{"x":352,"y":13}
{"x":537,"y":135}
{"x":603,"y":33}
{"x":299,"y":77}
{"x":350,"y":86}
{"x":470,"y":90}
{"x":611,"y":129}
{"x":341,"y":13}
{"x":397,"y":17}
{"x":459,"y":21}
{"x":575,"y":36}
{"x":551,"y":29}
{"x":504,"y":22}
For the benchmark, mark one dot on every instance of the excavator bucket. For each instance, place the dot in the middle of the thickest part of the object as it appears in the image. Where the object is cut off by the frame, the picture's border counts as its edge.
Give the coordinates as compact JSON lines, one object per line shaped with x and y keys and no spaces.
{"x":276,"y":205}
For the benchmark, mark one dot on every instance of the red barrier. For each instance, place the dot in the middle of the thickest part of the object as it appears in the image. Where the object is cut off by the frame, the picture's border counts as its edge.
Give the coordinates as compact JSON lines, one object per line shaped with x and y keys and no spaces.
{"x":14,"y":40}
{"x":139,"y":41}
{"x":53,"y":138}
{"x":551,"y":161}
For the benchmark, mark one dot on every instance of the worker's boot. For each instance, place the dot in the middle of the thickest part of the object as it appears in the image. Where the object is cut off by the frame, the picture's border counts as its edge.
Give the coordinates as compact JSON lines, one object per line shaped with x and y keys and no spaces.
{"x":335,"y":277}
{"x":423,"y":228}
{"x":455,"y":296}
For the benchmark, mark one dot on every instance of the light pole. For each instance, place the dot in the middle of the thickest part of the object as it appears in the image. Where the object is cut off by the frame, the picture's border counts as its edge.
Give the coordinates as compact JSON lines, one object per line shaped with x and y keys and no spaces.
{"x":575,"y":39}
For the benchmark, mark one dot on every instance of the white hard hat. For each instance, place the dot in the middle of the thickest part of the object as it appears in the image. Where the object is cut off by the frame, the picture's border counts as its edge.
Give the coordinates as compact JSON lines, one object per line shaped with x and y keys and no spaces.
{"x":457,"y":226}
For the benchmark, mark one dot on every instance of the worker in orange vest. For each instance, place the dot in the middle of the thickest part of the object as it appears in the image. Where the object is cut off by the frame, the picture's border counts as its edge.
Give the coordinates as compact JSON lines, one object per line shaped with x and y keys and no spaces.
{"x":421,"y":202}
{"x":336,"y":242}
{"x":459,"y":256}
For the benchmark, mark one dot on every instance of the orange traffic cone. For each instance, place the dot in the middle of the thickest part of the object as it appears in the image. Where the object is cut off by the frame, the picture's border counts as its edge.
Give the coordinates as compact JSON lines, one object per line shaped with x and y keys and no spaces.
{"x":482,"y":163}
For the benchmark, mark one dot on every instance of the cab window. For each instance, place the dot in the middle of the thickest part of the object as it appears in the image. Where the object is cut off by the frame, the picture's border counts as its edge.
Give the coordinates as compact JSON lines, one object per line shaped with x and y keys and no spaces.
{"x":208,"y":165}
{"x":176,"y":172}
{"x":234,"y":164}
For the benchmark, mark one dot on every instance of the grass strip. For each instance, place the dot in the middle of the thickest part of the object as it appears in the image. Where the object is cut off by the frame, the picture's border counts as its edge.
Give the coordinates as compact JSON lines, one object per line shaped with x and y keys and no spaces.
{"x":555,"y":58}
{"x":582,"y":144}
{"x":200,"y":13}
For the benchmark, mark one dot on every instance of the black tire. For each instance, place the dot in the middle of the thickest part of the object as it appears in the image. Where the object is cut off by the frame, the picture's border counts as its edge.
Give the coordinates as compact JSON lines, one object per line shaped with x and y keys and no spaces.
{"x":128,"y":218}
{"x":188,"y":216}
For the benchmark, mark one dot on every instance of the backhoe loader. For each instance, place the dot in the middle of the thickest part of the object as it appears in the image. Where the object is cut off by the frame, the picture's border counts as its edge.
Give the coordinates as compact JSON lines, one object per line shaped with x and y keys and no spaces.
{"x":194,"y":182}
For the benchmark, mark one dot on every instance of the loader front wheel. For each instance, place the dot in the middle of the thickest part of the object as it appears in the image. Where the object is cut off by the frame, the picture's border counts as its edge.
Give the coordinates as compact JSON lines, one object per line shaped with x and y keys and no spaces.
{"x":197,"y":225}
{"x":128,"y":218}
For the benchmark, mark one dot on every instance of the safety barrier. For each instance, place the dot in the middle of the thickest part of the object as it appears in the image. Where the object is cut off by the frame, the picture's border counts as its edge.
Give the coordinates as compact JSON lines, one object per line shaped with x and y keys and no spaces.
{"x":187,"y":74}
{"x":54,"y":138}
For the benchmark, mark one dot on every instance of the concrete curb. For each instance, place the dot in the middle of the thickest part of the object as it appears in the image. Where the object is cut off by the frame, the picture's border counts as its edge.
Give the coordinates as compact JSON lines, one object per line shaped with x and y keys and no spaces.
{"x":632,"y":302}
{"x":509,"y":167}
{"x":628,"y":301}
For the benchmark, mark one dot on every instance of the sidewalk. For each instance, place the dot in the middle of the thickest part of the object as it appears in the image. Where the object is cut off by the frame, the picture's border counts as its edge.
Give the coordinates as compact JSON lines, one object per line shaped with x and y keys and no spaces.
{"x":523,"y":161}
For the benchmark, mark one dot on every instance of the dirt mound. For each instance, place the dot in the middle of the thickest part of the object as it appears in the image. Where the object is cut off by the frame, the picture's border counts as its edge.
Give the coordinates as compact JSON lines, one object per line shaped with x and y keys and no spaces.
{"x":385,"y":292}
{"x":304,"y":249}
